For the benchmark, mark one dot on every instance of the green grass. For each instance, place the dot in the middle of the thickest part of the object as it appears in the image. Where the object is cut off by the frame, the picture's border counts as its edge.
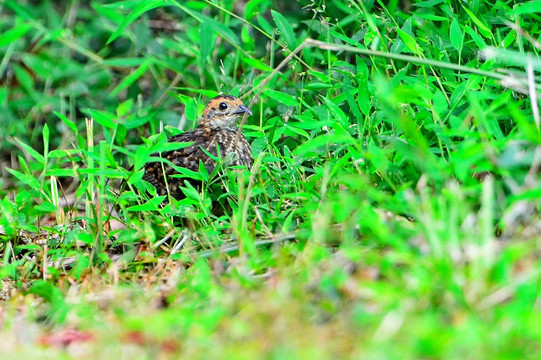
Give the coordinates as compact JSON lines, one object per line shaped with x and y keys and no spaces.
{"x":392,"y":211}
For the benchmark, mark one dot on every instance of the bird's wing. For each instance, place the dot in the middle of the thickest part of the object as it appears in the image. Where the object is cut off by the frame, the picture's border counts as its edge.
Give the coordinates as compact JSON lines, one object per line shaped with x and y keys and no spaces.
{"x":187,"y":157}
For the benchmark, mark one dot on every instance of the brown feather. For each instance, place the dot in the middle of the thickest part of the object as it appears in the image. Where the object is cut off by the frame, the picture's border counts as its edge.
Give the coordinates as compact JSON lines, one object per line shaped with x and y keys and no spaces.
{"x":217,"y":129}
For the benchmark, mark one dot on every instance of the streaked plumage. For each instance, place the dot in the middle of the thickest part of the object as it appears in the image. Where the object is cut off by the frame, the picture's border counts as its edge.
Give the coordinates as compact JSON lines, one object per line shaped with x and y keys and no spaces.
{"x":218,"y":126}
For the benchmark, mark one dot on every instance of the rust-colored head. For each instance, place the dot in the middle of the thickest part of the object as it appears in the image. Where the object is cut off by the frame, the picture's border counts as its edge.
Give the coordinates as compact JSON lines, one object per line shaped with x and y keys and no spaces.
{"x":223,"y":111}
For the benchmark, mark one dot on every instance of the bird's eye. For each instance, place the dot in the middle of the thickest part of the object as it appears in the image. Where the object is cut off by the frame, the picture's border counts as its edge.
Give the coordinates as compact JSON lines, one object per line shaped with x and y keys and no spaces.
{"x":222,"y":106}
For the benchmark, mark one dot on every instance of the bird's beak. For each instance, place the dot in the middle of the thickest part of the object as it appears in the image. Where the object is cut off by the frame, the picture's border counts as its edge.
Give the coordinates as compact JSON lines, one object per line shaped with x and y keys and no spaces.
{"x":242,"y":109}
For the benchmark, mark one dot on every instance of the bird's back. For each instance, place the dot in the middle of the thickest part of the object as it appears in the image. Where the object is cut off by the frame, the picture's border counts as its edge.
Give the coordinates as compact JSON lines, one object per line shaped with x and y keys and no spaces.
{"x":204,"y":140}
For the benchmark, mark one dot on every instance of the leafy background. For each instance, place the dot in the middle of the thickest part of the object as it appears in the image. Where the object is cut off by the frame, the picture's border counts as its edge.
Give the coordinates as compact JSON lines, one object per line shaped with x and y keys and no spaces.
{"x":392,"y":211}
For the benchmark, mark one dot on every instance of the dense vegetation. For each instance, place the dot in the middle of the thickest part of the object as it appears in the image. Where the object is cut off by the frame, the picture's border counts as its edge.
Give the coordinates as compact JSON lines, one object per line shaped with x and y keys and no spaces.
{"x":392,"y":211}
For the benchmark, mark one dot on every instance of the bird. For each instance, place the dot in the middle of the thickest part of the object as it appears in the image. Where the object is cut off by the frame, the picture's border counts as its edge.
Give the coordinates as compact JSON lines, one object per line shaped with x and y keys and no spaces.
{"x":216,"y":134}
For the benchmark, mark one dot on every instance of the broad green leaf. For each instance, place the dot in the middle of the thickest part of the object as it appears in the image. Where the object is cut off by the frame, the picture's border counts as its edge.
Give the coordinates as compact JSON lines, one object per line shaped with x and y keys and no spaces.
{"x":485,"y":31}
{"x":60,"y":172}
{"x":37,"y":156}
{"x":24,"y":78}
{"x":45,"y":207}
{"x":107,"y":12}
{"x":285,"y":29}
{"x":203,"y":171}
{"x":252,"y":8}
{"x":21,"y":10}
{"x":183,"y":173}
{"x":281,"y":97}
{"x":190,"y":107}
{"x":47,"y":291}
{"x":350,"y":92}
{"x":257,"y":64}
{"x":124,"y":62}
{"x":222,"y":31}
{"x":170,"y":146}
{"x":322,"y":140}
{"x":139,"y":10}
{"x":409,"y":40}
{"x":292,"y":130}
{"x":207,"y":93}
{"x":136,"y":121}
{"x":46,"y":134}
{"x":124,"y":108}
{"x":526,"y":8}
{"x":206,"y":40}
{"x":456,"y":35}
{"x":66,"y":121}
{"x":336,"y":112}
{"x":130,"y":79}
{"x":476,"y":38}
{"x":151,"y":205}
{"x":431,"y":17}
{"x":399,"y":44}
{"x":103,"y":118}
{"x":13,"y":34}
{"x":27,"y":179}
{"x":427,"y":4}
{"x":248,"y":42}
{"x":265,"y":25}
{"x":117,"y":174}
{"x":346,"y":39}
{"x":63,"y":153}
{"x":135,"y":177}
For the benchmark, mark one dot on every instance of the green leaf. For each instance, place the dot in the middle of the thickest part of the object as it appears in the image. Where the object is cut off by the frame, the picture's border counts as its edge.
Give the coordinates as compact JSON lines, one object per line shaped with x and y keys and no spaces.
{"x":264,"y":24}
{"x":63,"y":153}
{"x":409,"y":40}
{"x":183,"y":173}
{"x":526,"y":8}
{"x":206,"y":40}
{"x":190,"y":107}
{"x":203,"y":171}
{"x":31,"y":151}
{"x":130,"y":79}
{"x":456,"y":35}
{"x":26,"y":179}
{"x":285,"y":99}
{"x":103,"y":118}
{"x":139,"y":10}
{"x":151,"y":205}
{"x":476,"y":38}
{"x":13,"y":34}
{"x":124,"y":108}
{"x":336,"y":112}
{"x":170,"y":146}
{"x":66,"y":121}
{"x":124,"y":62}
{"x":45,"y":207}
{"x":25,"y":79}
{"x":322,"y":140}
{"x":428,"y":3}
{"x":46,"y":134}
{"x":285,"y":29}
{"x":485,"y":31}
{"x":107,"y":12}
{"x":47,"y":291}
{"x":60,"y":172}
{"x":224,"y":31}
{"x":257,"y":64}
{"x":136,"y":121}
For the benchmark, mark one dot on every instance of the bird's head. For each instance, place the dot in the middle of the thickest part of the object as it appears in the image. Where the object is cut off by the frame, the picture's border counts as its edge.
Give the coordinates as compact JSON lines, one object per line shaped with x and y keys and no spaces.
{"x":223,"y":111}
